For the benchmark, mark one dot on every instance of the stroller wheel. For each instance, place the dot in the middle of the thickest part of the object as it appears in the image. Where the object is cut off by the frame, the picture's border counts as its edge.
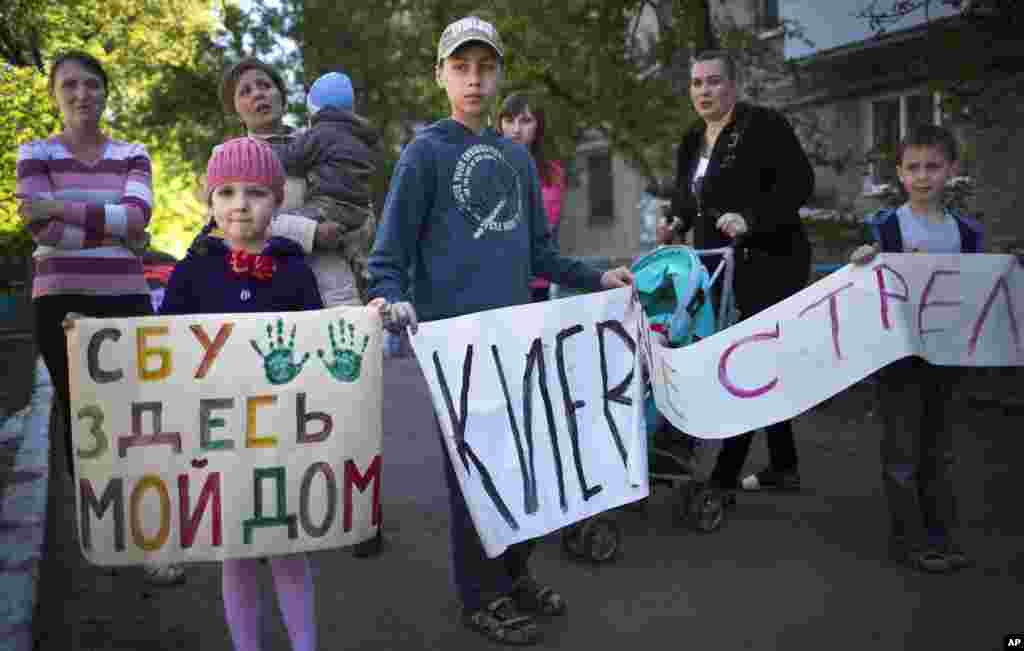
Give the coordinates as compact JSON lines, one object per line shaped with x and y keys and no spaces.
{"x":601,"y":539}
{"x":572,"y":540}
{"x":706,"y":509}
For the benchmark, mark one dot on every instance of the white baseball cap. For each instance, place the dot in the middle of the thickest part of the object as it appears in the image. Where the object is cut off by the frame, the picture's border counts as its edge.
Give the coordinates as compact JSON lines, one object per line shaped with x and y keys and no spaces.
{"x":466,"y":30}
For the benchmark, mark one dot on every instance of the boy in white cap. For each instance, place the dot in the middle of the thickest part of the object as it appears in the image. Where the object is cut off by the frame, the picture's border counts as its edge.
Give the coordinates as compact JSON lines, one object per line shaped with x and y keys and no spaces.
{"x":465,"y":213}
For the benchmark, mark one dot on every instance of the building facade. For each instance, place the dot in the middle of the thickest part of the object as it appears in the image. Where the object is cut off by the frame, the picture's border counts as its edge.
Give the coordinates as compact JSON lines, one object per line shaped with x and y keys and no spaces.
{"x":601,"y":214}
{"x":851,"y":105}
{"x":865,"y":96}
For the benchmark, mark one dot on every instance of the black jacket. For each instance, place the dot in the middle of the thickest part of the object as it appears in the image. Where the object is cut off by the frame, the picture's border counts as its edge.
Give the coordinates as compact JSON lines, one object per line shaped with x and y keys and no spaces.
{"x":757,"y":169}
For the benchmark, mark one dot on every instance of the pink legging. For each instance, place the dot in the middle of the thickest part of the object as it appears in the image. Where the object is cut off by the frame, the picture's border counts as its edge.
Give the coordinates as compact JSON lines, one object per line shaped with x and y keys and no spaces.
{"x":243,"y":606}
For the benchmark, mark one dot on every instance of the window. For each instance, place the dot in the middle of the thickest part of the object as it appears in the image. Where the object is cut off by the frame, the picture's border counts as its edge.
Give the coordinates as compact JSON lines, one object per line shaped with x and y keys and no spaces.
{"x":600,"y":187}
{"x":891,"y":119}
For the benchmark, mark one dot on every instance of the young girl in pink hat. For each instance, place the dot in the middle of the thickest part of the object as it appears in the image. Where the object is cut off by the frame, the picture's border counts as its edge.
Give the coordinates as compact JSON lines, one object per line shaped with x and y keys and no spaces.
{"x":246,"y":270}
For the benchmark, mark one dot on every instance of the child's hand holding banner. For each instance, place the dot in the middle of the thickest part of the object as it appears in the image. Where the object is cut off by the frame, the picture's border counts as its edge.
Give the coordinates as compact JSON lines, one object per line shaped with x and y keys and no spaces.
{"x":953,"y":310}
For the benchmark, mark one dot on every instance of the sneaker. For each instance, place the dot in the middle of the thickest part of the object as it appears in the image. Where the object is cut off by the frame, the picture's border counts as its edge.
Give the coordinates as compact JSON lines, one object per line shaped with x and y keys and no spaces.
{"x":927,"y":559}
{"x":729,"y":499}
{"x":769,"y":479}
{"x":957,"y":558}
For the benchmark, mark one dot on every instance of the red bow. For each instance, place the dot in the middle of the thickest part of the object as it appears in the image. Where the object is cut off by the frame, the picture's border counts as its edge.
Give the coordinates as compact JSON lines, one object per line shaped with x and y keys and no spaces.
{"x":243,"y":263}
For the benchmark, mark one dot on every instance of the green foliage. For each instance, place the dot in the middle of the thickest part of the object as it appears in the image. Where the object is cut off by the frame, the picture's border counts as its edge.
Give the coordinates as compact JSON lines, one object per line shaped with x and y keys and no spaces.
{"x":596,"y":67}
{"x":184,"y":107}
{"x":134,"y":39}
{"x":604,"y":72}
{"x":165,"y":59}
{"x":25,"y":115}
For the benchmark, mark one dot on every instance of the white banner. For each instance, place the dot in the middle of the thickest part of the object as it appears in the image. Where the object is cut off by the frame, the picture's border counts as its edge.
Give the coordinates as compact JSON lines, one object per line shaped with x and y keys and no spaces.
{"x":225,"y":436}
{"x":953,"y":310}
{"x":556,"y":376}
{"x":540,"y":411}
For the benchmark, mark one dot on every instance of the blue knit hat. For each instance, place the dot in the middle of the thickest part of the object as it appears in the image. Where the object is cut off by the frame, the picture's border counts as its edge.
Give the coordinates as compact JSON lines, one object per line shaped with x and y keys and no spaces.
{"x":332,"y":89}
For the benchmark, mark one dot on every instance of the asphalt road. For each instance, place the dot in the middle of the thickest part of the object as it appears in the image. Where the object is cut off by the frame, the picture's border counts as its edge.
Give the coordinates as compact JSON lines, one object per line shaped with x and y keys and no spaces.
{"x":795,"y":572}
{"x":17,"y":360}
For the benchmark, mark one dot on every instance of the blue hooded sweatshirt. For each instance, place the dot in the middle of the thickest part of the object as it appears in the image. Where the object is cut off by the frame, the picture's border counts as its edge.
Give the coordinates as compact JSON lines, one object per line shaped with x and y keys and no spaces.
{"x":465,"y":213}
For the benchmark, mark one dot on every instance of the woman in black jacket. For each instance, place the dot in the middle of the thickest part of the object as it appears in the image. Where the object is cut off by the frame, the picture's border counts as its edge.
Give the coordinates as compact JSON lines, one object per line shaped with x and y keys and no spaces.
{"x":742,"y":178}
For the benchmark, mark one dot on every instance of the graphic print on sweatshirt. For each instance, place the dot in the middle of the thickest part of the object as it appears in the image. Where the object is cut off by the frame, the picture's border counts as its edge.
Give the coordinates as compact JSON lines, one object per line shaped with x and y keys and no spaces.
{"x":487,"y":190}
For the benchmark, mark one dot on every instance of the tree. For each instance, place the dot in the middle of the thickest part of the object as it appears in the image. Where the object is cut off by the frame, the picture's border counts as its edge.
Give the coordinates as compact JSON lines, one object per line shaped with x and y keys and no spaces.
{"x":999,"y":15}
{"x":165,"y":59}
{"x":607,"y":67}
{"x":24,"y":113}
{"x":184,"y":107}
{"x":118,"y":32}
{"x":386,"y":47}
{"x":963,"y":79}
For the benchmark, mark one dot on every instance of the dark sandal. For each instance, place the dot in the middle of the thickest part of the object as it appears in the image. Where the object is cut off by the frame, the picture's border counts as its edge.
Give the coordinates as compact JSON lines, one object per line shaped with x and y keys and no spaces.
{"x":928,"y":560}
{"x":502,"y":622}
{"x":532,"y":597}
{"x":957,"y":557}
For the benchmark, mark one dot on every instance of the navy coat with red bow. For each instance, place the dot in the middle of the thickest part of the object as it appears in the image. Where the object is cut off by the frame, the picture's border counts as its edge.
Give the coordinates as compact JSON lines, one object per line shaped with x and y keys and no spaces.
{"x":221,"y":281}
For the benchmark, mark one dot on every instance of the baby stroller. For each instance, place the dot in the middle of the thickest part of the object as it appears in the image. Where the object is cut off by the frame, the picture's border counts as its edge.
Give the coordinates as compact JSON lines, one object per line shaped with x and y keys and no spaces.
{"x":678,"y":297}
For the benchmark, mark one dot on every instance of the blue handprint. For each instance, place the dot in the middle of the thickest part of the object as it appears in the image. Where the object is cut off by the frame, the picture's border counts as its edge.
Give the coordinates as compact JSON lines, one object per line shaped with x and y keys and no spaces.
{"x":347,"y":362}
{"x":278,"y":362}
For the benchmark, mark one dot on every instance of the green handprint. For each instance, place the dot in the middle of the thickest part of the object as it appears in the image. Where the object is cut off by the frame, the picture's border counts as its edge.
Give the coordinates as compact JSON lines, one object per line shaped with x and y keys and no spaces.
{"x":346,"y":362}
{"x":278,"y":363}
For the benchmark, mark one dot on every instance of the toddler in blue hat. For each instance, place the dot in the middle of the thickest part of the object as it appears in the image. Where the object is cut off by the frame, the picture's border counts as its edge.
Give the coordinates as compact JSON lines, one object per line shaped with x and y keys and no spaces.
{"x":332,"y":89}
{"x":338,"y":154}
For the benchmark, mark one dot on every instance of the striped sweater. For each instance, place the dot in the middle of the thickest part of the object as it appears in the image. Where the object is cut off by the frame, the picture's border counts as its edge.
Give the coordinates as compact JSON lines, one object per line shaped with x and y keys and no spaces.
{"x":106,"y":208}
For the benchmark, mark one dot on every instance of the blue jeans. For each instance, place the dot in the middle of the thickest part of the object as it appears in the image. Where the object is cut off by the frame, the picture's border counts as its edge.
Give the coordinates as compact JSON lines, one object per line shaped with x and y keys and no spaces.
{"x":917,"y":452}
{"x":478,"y":579}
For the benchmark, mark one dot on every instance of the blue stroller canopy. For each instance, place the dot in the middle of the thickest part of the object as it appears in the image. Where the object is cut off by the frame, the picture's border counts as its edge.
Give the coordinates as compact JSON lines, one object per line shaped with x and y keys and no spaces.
{"x":675,"y":291}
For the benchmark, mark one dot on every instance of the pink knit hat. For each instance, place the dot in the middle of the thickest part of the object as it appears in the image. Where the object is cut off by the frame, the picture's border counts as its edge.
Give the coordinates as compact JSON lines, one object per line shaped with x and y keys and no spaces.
{"x":249,"y":160}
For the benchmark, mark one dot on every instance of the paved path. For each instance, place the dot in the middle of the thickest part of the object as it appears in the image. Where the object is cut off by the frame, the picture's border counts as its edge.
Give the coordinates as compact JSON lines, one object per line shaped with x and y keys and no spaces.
{"x":792,"y":573}
{"x":17,"y":359}
{"x":24,"y":441}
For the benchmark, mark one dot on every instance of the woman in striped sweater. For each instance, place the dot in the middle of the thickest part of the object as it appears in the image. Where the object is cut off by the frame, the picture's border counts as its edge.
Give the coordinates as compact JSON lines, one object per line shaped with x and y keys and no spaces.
{"x":86,"y":199}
